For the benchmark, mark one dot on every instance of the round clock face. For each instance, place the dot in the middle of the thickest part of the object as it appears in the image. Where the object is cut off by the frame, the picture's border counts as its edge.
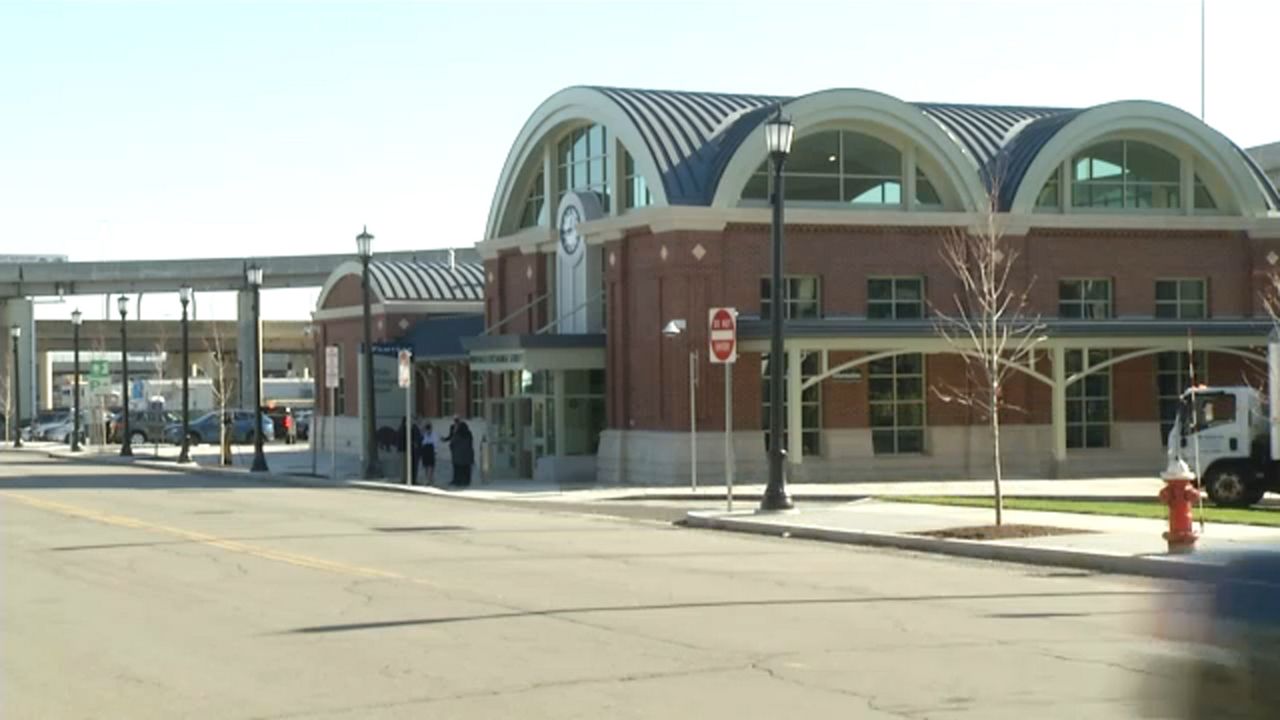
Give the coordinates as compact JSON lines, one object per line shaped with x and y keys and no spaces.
{"x":569,"y":236}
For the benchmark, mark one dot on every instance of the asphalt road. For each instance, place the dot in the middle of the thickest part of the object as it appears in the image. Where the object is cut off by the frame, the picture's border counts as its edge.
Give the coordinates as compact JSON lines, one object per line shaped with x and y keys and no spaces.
{"x":141,"y":594}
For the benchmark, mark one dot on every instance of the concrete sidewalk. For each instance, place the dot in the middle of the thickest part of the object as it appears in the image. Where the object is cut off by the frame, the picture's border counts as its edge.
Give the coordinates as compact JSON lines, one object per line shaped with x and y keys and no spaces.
{"x":1103,"y":543}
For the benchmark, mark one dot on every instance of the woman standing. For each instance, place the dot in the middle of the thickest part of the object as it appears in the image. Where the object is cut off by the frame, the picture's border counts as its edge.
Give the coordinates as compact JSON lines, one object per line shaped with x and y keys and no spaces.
{"x":462,"y":453}
{"x":429,"y":453}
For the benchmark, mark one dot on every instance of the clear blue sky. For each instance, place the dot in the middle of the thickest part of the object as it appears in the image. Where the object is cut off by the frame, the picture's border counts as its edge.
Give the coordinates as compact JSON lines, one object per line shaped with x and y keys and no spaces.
{"x":181,"y":129}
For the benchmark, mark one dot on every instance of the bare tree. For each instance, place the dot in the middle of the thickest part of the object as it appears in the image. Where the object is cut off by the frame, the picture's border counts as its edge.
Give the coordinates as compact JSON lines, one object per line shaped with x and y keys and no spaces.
{"x":223,"y":386}
{"x":989,"y":323}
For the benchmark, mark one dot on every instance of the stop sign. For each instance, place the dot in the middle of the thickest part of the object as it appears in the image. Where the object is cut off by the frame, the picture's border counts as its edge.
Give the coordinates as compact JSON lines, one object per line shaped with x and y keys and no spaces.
{"x":723,"y":334}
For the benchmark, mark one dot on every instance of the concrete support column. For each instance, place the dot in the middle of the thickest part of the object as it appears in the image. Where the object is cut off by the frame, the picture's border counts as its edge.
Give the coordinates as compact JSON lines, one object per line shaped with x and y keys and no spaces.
{"x":1059,"y":408}
{"x":47,"y":399}
{"x":795,"y":418}
{"x":20,"y":312}
{"x":558,"y":402}
{"x":248,"y":361}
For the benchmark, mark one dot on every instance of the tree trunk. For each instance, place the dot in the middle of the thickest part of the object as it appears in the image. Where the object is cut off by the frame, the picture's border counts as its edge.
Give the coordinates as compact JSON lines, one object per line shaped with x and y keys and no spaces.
{"x":995,"y":456}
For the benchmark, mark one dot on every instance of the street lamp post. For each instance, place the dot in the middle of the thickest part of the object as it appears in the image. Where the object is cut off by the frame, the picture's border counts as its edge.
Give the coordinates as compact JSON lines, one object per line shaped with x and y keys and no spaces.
{"x":372,"y":467}
{"x":254,"y":275}
{"x":15,"y":334}
{"x":184,"y":296}
{"x":76,"y":318}
{"x":673,"y":329}
{"x":126,"y":443}
{"x":778,"y":133}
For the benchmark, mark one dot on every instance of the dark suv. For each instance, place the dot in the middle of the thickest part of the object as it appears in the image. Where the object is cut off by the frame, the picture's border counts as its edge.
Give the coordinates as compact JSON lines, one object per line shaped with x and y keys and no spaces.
{"x":144,"y":426}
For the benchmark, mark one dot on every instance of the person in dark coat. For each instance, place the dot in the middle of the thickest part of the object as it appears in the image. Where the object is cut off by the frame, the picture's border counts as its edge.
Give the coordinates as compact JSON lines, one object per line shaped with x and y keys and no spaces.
{"x":416,"y":448}
{"x":462,"y":452}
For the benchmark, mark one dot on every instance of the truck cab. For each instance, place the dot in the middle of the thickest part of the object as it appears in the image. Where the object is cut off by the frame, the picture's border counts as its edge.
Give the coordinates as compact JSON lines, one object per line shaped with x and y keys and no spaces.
{"x":1222,"y":434}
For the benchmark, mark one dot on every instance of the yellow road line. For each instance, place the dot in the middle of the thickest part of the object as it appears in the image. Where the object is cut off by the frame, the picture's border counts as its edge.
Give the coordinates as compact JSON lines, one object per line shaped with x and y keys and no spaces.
{"x":305,"y":561}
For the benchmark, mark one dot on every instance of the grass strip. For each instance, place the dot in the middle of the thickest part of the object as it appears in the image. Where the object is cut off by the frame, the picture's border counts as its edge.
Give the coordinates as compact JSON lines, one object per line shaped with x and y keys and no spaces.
{"x":1123,"y":508}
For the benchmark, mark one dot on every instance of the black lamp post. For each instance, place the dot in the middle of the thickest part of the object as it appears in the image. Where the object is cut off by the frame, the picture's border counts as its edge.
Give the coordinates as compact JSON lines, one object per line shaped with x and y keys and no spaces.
{"x":778,"y":133}
{"x":15,"y":334}
{"x":254,"y":275}
{"x":372,"y":467}
{"x":126,"y":442}
{"x":76,"y":318}
{"x":184,"y":296}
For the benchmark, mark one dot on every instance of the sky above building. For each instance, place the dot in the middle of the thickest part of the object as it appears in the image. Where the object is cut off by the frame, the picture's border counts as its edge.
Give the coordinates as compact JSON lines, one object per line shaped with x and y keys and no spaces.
{"x":185,"y":129}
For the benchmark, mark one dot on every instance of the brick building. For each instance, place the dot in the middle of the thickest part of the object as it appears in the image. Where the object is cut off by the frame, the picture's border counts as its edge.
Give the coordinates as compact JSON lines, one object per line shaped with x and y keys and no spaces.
{"x":426,"y":307}
{"x":617,"y":211}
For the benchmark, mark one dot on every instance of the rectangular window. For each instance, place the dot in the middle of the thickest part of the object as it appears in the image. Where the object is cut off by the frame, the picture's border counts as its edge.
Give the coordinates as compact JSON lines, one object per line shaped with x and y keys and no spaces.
{"x":340,"y":392}
{"x":1088,"y":401}
{"x":810,"y":403}
{"x":899,"y":298}
{"x":802,"y":297}
{"x":477,"y":394}
{"x":637,"y":189}
{"x":583,"y":162}
{"x":895,"y":392}
{"x":1088,"y":299}
{"x":448,"y":392}
{"x":1173,"y":376}
{"x":1181,"y":299}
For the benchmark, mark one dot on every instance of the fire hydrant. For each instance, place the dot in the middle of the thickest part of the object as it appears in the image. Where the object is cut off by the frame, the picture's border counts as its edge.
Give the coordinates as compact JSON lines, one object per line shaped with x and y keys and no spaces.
{"x":1180,"y":497}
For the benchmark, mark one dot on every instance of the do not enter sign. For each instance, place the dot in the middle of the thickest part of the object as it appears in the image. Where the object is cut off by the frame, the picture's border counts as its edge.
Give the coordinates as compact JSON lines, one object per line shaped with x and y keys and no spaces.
{"x":723,"y":335}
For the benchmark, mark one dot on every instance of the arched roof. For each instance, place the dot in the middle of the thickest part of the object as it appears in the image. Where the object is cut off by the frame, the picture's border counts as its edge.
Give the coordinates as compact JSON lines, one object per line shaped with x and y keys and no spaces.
{"x":414,"y":281}
{"x":686,"y":143}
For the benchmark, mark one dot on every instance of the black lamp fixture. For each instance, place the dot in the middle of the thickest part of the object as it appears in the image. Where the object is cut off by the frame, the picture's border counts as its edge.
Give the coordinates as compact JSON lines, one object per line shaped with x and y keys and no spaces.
{"x":126,"y":442}
{"x":184,"y":456}
{"x":76,"y":318}
{"x":372,"y":466}
{"x":778,"y":134}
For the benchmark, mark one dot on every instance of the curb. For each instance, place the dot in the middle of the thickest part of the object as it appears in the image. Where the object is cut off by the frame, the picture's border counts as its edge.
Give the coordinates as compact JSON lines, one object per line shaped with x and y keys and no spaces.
{"x":1149,"y":566}
{"x":191,"y":469}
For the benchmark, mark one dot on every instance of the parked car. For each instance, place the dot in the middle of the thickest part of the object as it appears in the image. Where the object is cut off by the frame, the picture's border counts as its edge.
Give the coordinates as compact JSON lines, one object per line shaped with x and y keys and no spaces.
{"x":303,"y":418}
{"x":36,"y":428}
{"x":61,"y":433}
{"x":208,"y":428}
{"x":144,"y":426}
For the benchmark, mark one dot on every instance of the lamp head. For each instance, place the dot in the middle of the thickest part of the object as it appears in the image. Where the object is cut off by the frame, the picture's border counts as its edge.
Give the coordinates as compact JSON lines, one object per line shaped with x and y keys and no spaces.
{"x":778,"y":134}
{"x":76,"y":317}
{"x":122,"y":304}
{"x":674,"y":328}
{"x":15,"y":331}
{"x":364,"y":243}
{"x":184,"y":294}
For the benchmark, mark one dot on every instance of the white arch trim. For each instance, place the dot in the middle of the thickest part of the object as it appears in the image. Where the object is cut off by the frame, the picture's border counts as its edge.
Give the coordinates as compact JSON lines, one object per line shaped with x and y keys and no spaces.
{"x":1071,"y":379}
{"x":569,"y":106}
{"x":350,"y":267}
{"x":1143,"y":116}
{"x":856,"y":362}
{"x":830,"y":107}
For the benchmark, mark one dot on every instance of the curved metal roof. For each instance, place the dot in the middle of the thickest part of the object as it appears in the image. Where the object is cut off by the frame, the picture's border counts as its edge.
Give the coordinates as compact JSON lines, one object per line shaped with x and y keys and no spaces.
{"x":693,"y":135}
{"x":395,"y":280}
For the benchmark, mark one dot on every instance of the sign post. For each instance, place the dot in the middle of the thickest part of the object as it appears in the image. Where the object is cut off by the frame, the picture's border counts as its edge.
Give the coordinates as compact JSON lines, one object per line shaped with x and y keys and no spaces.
{"x":331,"y":382}
{"x":723,"y":338}
{"x":406,"y":382}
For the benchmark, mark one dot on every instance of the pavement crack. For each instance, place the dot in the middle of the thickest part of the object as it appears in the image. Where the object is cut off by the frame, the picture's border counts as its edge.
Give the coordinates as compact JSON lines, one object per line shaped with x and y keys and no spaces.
{"x":868,"y":700}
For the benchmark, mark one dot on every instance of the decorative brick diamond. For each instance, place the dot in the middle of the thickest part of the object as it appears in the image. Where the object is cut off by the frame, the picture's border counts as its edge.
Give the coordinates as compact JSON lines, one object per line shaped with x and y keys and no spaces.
{"x":613,"y":258}
{"x":528,"y":272}
{"x":404,"y":324}
{"x":490,"y":276}
{"x":1272,"y":258}
{"x":663,"y":253}
{"x":699,"y":252}
{"x":998,"y":256}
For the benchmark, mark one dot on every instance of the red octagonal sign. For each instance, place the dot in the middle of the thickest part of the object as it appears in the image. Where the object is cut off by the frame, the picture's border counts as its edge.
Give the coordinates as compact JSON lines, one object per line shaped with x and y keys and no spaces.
{"x":723,"y":334}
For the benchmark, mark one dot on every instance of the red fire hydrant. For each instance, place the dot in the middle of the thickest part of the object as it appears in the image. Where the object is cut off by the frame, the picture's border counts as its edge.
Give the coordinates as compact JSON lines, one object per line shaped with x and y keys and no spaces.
{"x":1180,"y":497}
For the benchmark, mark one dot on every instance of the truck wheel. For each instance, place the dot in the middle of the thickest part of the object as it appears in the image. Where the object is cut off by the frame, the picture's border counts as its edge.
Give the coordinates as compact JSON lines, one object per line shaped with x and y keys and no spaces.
{"x":1231,"y":486}
{"x":137,"y":437}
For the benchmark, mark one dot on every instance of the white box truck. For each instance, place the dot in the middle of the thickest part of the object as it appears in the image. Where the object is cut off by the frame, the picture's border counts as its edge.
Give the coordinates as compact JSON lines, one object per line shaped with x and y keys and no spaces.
{"x":1230,"y":436}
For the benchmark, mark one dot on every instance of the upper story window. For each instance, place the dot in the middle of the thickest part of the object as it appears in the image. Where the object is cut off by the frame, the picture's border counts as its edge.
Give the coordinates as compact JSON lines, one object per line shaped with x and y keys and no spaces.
{"x":1126,"y":174}
{"x":534,"y":212}
{"x":1203,"y":200}
{"x":839,"y":166}
{"x":801,"y":295}
{"x":1088,"y":299}
{"x":583,"y":162}
{"x":895,"y":298}
{"x":1181,"y":299}
{"x":637,"y":188}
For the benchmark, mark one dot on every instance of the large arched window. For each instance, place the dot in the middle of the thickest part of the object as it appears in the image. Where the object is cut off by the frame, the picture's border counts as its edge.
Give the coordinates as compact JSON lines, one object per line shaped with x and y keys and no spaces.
{"x":534,"y":211}
{"x":583,"y":160}
{"x":1126,"y":174}
{"x":845,"y":167}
